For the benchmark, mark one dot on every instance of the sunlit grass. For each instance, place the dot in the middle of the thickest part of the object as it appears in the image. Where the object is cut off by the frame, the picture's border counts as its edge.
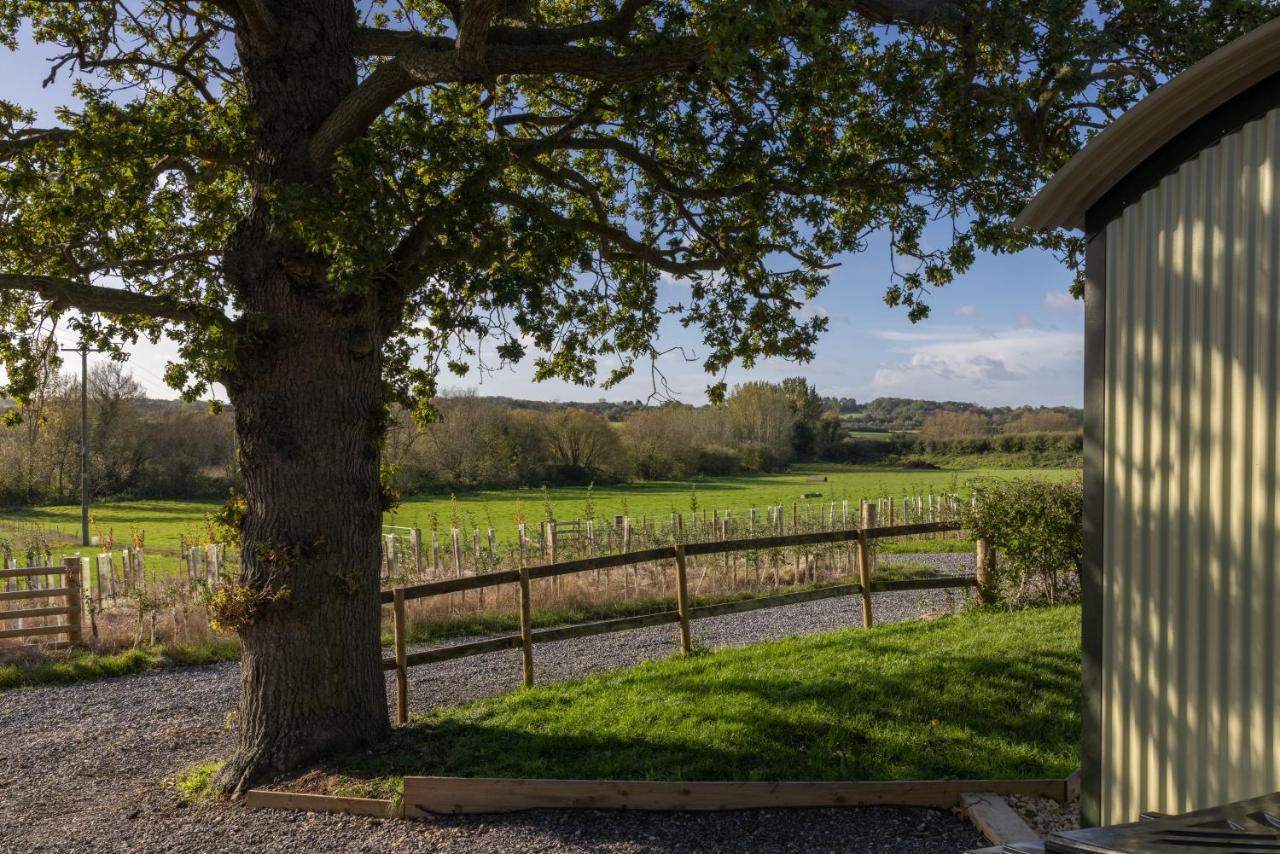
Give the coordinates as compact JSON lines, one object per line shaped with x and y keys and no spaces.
{"x":84,"y":665}
{"x":983,"y":694}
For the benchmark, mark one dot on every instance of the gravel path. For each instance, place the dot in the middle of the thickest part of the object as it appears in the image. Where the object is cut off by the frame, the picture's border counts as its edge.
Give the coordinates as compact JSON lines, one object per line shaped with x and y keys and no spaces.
{"x":82,"y":767}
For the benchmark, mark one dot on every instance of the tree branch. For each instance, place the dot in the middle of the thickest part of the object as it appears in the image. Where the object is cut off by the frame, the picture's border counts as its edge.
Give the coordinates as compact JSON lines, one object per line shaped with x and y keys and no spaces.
{"x":374,"y":41}
{"x":622,"y":243}
{"x":25,"y":140}
{"x":473,"y":38}
{"x":66,"y":293}
{"x":616,"y":26}
{"x":258,"y":19}
{"x":377,"y":41}
{"x":427,"y":65}
{"x":598,"y":64}
{"x":910,"y":12}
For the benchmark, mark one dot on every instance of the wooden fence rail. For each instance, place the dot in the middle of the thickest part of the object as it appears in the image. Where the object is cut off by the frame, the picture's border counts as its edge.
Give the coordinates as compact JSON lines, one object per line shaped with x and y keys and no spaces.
{"x":68,"y":592}
{"x":527,"y":637}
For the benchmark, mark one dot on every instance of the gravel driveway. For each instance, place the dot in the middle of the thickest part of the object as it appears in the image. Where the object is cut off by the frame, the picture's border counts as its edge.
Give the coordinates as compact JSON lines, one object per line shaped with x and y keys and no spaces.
{"x":82,"y":767}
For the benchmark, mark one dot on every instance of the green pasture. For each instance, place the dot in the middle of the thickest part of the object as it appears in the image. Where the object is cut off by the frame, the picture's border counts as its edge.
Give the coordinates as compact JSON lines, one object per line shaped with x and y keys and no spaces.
{"x":163,"y":523}
{"x":983,"y":694}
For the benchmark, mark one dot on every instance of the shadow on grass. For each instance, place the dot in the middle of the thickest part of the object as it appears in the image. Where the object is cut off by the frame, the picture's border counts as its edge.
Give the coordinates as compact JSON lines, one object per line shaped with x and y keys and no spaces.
{"x":978,"y":696}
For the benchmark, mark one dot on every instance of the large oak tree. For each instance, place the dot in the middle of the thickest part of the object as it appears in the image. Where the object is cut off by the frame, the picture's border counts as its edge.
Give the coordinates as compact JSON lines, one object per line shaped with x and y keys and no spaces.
{"x":324,"y":202}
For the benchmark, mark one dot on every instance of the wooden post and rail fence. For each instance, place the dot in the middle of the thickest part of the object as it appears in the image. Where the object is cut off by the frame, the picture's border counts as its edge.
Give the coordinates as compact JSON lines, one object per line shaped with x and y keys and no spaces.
{"x":27,"y":584}
{"x":862,"y":538}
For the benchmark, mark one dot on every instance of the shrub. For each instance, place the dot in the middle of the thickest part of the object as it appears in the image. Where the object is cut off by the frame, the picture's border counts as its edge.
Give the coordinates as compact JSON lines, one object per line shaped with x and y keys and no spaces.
{"x":1036,"y":528}
{"x":718,"y":460}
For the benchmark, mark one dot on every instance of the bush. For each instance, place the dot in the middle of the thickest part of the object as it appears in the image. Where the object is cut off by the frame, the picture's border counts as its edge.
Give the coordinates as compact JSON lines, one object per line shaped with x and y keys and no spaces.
{"x":718,"y":460}
{"x":1036,"y":528}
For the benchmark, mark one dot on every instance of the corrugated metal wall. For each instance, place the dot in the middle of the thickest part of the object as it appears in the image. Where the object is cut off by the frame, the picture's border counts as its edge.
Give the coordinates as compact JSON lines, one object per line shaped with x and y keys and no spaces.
{"x":1191,"y":616}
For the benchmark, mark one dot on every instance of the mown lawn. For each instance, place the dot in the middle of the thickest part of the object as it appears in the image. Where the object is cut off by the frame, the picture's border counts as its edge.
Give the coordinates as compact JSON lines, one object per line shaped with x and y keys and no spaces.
{"x":983,"y":694}
{"x":163,"y":522}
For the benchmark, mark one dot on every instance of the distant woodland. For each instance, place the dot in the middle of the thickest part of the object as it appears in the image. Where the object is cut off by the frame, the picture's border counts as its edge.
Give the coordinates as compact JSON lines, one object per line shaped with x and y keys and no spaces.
{"x":145,"y":448}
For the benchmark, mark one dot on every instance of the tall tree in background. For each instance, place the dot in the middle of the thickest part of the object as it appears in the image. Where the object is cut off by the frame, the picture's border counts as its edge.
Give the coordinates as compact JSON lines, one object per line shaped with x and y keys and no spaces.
{"x":808,"y":407}
{"x":582,"y":442}
{"x":323,"y":201}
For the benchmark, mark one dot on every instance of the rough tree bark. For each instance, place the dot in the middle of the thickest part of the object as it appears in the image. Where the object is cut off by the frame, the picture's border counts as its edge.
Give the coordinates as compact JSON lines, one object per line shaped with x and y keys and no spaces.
{"x":307,"y":390}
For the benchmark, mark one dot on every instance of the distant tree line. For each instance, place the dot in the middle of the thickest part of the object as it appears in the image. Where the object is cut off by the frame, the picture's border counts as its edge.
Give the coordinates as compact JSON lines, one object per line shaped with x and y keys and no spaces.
{"x":141,"y":448}
{"x":138,"y":448}
{"x":894,"y":414}
{"x":485,"y":442}
{"x":1050,"y":448}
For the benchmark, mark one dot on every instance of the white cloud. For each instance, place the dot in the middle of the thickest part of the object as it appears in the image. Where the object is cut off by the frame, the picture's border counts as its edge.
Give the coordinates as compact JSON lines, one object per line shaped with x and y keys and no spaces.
{"x":1062,"y":301}
{"x":1020,"y":365}
{"x":925,"y":333}
{"x":966,"y":311}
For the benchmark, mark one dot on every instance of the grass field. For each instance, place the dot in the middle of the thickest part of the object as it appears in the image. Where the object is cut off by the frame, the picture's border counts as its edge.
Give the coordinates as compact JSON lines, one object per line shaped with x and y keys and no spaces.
{"x":982,"y":694}
{"x":164,"y":522}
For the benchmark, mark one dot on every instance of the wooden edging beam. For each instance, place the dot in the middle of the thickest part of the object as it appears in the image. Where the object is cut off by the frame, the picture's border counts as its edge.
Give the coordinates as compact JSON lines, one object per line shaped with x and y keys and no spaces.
{"x":426,"y":796}
{"x":264,"y":799}
{"x":996,"y":820}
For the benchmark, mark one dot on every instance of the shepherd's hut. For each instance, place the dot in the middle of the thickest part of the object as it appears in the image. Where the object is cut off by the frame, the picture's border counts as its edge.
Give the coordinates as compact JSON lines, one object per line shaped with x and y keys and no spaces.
{"x":1180,"y":202}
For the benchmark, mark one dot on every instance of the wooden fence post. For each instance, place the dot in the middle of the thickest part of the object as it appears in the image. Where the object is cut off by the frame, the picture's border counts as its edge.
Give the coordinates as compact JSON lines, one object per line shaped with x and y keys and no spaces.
{"x":526,"y":629}
{"x":402,"y":668}
{"x":389,"y":552}
{"x":985,"y":560}
{"x":682,"y":600}
{"x":554,"y":540}
{"x":71,"y":565}
{"x":865,"y":558}
{"x":91,"y":583}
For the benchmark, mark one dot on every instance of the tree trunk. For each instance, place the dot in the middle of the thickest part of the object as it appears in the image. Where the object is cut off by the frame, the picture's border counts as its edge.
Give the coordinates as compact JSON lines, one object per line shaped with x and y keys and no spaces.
{"x":309,"y":417}
{"x":305,"y":380}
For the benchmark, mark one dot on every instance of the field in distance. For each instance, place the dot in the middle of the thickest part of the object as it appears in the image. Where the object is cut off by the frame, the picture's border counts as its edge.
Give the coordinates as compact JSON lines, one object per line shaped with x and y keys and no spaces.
{"x":164,"y":522}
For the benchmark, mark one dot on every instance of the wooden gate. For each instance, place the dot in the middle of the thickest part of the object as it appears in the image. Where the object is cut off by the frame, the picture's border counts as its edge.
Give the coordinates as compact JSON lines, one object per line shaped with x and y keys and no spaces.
{"x":39,"y":601}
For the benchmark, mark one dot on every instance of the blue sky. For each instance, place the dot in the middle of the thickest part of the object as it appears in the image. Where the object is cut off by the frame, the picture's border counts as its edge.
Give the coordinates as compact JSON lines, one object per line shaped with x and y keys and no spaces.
{"x":1005,"y":333}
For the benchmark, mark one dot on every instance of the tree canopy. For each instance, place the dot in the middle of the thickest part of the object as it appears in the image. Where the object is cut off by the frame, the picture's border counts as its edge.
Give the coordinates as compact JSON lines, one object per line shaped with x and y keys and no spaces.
{"x":516,"y":177}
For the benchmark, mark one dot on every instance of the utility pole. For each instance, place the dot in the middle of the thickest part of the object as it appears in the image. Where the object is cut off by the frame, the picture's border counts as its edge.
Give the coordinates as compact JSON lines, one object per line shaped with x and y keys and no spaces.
{"x":84,"y":350}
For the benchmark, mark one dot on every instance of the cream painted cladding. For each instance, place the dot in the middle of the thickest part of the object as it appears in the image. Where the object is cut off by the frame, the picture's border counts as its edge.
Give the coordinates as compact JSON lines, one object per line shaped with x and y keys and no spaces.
{"x":1190,"y":604}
